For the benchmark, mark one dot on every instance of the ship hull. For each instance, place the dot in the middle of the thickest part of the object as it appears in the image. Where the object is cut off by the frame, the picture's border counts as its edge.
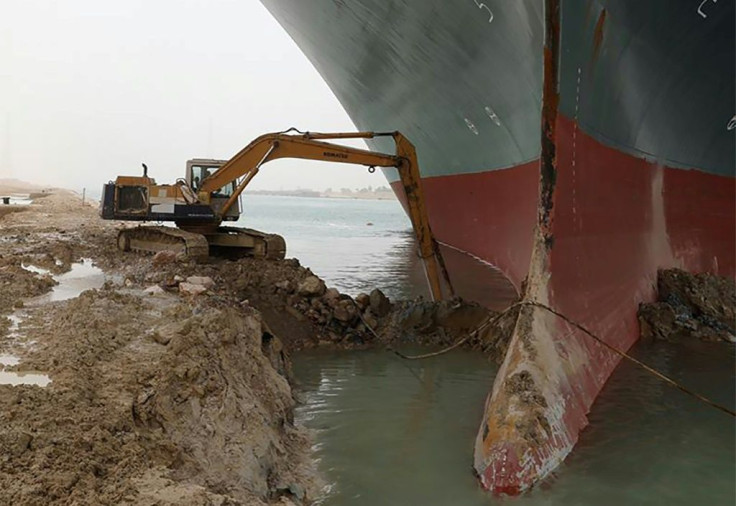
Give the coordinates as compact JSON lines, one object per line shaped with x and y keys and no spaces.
{"x":634,"y":173}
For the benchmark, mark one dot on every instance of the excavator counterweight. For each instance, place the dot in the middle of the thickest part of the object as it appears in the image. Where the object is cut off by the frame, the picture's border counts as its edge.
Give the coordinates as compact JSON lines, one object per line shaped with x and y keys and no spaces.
{"x":210,"y":193}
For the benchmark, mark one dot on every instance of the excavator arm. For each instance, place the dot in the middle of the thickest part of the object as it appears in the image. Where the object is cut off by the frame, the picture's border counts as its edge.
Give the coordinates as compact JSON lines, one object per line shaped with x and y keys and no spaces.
{"x":246,"y":164}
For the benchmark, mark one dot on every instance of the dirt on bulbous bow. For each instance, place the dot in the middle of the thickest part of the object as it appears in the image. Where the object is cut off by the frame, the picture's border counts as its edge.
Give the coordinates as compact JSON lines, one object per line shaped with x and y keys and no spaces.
{"x":161,"y":396}
{"x":700,"y":306}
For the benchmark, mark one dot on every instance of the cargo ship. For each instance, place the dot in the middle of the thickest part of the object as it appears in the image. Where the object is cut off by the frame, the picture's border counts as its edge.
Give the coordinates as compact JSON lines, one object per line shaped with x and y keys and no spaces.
{"x":576,"y":145}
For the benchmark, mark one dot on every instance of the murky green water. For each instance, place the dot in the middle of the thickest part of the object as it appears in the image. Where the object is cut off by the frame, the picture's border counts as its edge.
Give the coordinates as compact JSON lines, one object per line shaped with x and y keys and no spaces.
{"x":401,"y":433}
{"x":391,"y":431}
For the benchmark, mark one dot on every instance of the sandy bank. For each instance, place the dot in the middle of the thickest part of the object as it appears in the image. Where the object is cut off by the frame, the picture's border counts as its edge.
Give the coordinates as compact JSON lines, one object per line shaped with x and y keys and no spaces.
{"x":163,"y":399}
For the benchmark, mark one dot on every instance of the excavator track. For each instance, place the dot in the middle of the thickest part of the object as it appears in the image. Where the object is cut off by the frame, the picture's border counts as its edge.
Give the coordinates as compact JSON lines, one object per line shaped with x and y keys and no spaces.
{"x":155,"y":239}
{"x":225,"y":241}
{"x":234,"y":241}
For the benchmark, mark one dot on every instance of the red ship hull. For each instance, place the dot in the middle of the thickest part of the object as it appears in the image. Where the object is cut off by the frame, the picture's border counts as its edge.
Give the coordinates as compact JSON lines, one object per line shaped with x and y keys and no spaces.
{"x":615,"y":224}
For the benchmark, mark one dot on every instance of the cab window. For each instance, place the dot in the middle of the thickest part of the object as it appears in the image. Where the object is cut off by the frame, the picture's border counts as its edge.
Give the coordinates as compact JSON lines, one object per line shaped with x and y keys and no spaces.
{"x":201,"y":172}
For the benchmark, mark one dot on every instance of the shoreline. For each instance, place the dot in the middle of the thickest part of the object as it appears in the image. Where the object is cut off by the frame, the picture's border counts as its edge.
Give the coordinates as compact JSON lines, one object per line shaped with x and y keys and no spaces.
{"x":320,"y":195}
{"x":143,"y":387}
{"x":147,"y":376}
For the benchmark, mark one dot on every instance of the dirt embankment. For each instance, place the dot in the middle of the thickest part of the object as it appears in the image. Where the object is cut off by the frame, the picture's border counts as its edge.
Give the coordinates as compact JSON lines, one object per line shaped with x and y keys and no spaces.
{"x":171,"y":383}
{"x":303,"y":312}
{"x":165,"y":399}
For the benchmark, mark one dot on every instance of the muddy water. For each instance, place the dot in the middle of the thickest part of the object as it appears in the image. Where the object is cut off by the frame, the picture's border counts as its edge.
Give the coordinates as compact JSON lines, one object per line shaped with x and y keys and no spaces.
{"x":401,"y":433}
{"x":82,"y":276}
{"x":394,"y":432}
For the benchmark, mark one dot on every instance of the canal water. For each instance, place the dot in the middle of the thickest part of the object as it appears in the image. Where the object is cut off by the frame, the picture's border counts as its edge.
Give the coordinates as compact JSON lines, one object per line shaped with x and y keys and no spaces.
{"x":358,"y":245}
{"x":395,"y":432}
{"x":392,"y":432}
{"x":355,"y":245}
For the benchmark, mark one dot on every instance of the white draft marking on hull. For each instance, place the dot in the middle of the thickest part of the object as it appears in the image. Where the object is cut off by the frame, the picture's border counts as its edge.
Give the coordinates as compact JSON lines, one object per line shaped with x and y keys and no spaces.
{"x":471,"y":126}
{"x":700,"y":8}
{"x":494,"y":117}
{"x":481,"y":5}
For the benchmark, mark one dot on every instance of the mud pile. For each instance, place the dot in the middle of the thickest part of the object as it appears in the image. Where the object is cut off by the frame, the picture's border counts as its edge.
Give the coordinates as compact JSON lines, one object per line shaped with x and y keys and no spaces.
{"x":700,"y":306}
{"x":179,"y":404}
{"x":298,"y":306}
{"x":165,"y":399}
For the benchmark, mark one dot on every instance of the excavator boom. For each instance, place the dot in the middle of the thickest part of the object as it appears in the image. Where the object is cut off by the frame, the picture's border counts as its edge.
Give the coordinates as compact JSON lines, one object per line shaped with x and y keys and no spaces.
{"x":308,"y":146}
{"x":311,"y":146}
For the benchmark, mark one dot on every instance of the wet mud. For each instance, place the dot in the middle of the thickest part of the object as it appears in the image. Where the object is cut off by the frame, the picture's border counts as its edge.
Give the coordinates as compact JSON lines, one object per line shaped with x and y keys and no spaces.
{"x":165,"y":398}
{"x":169,"y":381}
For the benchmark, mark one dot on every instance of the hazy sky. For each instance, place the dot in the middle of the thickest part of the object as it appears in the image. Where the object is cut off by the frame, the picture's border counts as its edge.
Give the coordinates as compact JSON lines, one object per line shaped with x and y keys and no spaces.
{"x":89,"y":89}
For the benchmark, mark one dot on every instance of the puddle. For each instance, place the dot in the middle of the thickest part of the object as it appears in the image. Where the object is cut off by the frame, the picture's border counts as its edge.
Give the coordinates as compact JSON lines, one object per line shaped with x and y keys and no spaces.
{"x":15,"y":320}
{"x":82,"y":276}
{"x":7,"y":359}
{"x":36,"y":270}
{"x":24,"y":378}
{"x":19,"y":199}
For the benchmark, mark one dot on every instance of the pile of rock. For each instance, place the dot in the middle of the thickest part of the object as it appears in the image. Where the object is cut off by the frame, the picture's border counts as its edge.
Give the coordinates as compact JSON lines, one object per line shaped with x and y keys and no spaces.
{"x":192,"y":285}
{"x":702,"y":306}
{"x":341,"y":318}
{"x":304,"y":312}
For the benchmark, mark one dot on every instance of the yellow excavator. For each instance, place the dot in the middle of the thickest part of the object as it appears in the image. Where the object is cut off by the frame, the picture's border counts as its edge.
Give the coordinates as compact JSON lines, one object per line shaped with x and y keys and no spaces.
{"x":209,"y":195}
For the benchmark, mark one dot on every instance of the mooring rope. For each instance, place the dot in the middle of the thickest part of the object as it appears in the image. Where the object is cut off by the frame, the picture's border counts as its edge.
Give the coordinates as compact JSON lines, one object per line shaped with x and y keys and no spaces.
{"x":491,"y":320}
{"x":487,"y":323}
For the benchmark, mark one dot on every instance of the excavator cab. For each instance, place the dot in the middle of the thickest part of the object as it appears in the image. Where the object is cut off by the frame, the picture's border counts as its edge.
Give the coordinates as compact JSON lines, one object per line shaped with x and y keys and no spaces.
{"x":199,"y":169}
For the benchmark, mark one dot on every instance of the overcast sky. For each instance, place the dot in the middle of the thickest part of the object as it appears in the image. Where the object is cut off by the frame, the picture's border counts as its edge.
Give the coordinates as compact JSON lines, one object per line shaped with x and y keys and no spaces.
{"x":89,"y":89}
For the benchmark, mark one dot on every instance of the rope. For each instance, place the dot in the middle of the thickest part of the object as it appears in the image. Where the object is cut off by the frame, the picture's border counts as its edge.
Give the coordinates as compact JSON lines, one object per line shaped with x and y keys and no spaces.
{"x":292,"y":129}
{"x":623,"y":354}
{"x":487,"y":323}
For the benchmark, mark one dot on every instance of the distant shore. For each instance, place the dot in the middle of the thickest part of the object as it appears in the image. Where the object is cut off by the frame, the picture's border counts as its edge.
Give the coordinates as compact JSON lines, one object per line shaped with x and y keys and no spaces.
{"x":355,"y":195}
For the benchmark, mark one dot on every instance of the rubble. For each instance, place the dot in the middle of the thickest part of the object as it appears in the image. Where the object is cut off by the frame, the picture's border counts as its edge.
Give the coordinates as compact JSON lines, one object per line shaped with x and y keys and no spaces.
{"x":311,"y":286}
{"x":164,"y":257}
{"x":700,"y":306}
{"x":154,"y":290}
{"x":191,"y":289}
{"x":204,"y":281}
{"x":379,"y":303}
{"x":362,"y":301}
